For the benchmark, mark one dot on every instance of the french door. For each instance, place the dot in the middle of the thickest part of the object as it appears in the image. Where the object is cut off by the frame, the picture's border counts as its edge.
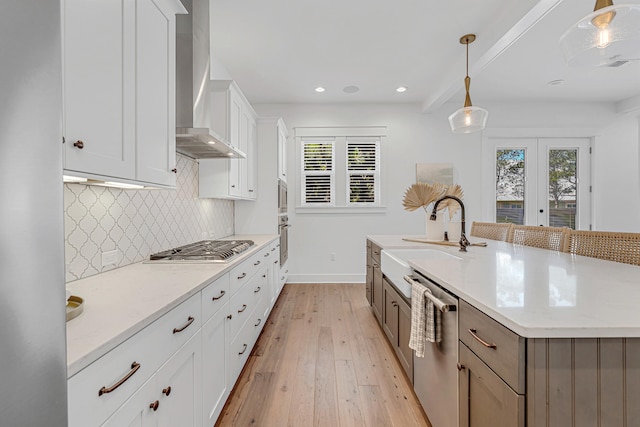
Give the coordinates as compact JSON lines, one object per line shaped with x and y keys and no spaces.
{"x":538,"y":181}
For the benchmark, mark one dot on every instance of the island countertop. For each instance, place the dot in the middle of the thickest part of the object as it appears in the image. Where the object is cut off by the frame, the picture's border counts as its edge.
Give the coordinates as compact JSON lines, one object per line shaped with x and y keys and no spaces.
{"x":537,"y":293}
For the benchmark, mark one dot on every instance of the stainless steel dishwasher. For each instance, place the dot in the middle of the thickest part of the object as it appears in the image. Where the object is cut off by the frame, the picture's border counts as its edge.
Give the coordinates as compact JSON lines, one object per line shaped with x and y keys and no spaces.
{"x":436,"y":375}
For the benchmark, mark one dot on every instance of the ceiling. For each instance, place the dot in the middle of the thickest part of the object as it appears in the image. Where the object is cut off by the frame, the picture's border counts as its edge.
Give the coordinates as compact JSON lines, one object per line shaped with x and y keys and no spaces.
{"x":280,"y":50}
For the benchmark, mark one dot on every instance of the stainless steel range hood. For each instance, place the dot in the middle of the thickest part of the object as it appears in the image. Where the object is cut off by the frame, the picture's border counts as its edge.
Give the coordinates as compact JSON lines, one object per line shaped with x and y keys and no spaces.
{"x":194,"y":136}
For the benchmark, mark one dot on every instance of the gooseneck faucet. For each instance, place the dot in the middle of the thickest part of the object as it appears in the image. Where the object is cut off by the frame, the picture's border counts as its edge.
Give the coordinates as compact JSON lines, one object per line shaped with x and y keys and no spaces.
{"x":463,"y":237}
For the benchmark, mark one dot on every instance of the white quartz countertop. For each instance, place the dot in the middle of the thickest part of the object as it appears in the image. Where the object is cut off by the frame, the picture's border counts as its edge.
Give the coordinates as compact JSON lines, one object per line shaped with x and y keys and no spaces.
{"x":121,"y":302}
{"x":537,"y":293}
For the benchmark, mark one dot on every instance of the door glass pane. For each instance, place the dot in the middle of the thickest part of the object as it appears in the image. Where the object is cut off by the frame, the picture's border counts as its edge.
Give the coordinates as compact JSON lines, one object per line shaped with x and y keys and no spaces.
{"x":510,"y":185}
{"x":563,"y":180}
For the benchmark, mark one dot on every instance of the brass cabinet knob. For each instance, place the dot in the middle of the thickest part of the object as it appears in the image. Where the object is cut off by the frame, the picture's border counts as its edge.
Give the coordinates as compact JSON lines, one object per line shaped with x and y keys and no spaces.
{"x":460,"y":366}
{"x":174,"y":170}
{"x":166,"y":391}
{"x":154,"y":405}
{"x":79,"y":144}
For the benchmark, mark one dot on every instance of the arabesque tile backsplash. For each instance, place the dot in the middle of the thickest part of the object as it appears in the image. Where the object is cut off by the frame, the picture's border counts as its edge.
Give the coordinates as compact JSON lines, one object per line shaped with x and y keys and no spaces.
{"x":138,"y":222}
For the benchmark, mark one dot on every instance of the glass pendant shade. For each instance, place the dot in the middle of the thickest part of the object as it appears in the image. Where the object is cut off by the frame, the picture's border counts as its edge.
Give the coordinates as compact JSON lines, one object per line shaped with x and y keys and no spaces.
{"x":468,"y":119}
{"x":610,"y":36}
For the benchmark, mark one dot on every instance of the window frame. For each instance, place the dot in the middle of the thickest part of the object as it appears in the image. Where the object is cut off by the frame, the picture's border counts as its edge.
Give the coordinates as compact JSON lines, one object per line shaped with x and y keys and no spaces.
{"x":340,"y":135}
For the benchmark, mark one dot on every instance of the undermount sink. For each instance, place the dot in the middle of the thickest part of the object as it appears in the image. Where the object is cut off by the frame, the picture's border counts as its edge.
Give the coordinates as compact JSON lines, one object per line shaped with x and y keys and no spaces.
{"x":395,"y":264}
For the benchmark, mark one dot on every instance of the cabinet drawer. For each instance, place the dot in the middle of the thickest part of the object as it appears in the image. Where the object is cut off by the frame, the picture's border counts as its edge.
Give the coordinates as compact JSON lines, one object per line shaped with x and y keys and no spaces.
{"x":239,"y":351}
{"x":246,"y":300}
{"x":375,"y":253}
{"x":93,"y":394}
{"x":215,"y":296}
{"x":244,"y":272}
{"x":499,"y":347}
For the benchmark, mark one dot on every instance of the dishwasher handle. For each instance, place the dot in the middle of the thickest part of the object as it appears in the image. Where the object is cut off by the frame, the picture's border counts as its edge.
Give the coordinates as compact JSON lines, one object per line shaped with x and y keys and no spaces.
{"x":443,"y":307}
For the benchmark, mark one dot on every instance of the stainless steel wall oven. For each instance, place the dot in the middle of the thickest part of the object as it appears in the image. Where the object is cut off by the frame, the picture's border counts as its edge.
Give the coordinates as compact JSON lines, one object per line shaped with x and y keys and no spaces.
{"x":283,"y":230}
{"x":282,"y":197}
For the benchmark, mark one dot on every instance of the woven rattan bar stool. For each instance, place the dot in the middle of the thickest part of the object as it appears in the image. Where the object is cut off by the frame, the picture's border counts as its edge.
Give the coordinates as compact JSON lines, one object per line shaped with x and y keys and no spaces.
{"x":490,"y":230}
{"x":609,"y":245}
{"x":539,"y":237}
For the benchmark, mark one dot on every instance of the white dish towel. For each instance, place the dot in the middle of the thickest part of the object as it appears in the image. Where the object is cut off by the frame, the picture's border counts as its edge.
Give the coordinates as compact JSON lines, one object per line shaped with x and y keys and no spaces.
{"x":426,"y":320}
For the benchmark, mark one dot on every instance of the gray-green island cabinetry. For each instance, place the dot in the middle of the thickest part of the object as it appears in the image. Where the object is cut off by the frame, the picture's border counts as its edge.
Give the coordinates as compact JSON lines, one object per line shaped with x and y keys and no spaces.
{"x":545,"y":338}
{"x":392,"y":311}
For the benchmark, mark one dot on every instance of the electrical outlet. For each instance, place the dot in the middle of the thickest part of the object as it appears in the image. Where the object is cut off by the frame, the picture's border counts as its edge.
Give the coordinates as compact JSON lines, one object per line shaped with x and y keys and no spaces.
{"x":332,"y":256}
{"x":110,"y":258}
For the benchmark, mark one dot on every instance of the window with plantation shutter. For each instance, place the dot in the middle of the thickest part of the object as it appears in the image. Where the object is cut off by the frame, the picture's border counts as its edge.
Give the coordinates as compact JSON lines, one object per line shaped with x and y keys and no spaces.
{"x":318,"y":173}
{"x":363,"y":171}
{"x":340,"y":169}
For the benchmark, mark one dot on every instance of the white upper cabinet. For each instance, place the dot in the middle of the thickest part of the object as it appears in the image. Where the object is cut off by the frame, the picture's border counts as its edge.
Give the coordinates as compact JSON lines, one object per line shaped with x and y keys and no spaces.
{"x":232,"y":117}
{"x":119,"y":89}
{"x":283,"y":134}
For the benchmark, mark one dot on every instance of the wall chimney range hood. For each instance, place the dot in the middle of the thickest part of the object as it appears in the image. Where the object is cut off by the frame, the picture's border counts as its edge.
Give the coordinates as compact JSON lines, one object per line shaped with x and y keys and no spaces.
{"x":203,"y":143}
{"x":194,"y":136}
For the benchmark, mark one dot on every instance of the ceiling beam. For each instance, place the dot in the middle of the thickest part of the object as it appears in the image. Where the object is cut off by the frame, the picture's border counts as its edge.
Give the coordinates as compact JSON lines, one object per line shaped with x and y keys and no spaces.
{"x":495,"y":41}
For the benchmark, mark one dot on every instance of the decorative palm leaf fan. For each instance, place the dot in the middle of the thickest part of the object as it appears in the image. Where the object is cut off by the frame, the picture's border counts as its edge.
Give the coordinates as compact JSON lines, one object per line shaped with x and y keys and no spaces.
{"x":421,"y":195}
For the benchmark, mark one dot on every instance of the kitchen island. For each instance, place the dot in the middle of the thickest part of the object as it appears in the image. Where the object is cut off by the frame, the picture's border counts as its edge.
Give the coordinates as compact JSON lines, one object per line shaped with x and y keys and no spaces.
{"x":569,"y":326}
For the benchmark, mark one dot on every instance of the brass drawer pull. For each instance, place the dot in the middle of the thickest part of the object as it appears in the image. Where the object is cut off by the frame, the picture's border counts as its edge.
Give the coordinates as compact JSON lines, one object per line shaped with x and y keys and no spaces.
{"x":219,"y":296}
{"x":166,"y":391}
{"x":244,"y":307}
{"x":79,"y":145}
{"x":244,"y":348}
{"x":154,"y":405}
{"x":267,"y":254}
{"x":460,"y":366}
{"x":257,"y":262}
{"x":242,"y":276}
{"x":473,"y":333}
{"x":186,"y":325}
{"x":273,"y":249}
{"x":258,"y":324}
{"x":275,"y":262}
{"x":134,"y":368}
{"x":257,"y":290}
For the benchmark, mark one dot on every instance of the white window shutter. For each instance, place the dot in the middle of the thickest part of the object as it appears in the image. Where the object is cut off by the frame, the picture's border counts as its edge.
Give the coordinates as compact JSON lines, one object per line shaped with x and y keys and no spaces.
{"x":363,"y":171}
{"x":318,"y":173}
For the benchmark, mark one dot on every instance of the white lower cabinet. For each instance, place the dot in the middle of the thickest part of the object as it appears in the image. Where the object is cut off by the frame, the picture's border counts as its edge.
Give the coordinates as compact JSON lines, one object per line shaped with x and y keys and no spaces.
{"x":138,"y":410}
{"x":180,"y":369}
{"x":169,"y":398}
{"x":215,"y":365}
{"x":179,"y":387}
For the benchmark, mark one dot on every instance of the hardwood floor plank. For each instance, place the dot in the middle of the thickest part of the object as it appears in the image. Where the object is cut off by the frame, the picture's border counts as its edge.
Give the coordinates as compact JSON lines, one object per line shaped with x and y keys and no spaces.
{"x":322,"y":359}
{"x":325,"y":402}
{"x":349,"y":402}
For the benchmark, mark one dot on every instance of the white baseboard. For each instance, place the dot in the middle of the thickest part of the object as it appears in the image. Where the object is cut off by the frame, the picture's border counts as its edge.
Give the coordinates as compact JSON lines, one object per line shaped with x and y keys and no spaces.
{"x":326,"y":278}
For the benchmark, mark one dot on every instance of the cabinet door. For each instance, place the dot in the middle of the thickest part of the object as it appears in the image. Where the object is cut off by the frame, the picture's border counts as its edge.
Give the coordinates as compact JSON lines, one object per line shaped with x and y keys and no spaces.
{"x":369,"y":280}
{"x":282,"y":152}
{"x":155,"y":93}
{"x":251,"y":162}
{"x":215,"y":365}
{"x":390,"y":314}
{"x":138,"y":411}
{"x":99,"y":95}
{"x":179,"y":387}
{"x":486,"y":400}
{"x":405,"y":354}
{"x":377,"y":292}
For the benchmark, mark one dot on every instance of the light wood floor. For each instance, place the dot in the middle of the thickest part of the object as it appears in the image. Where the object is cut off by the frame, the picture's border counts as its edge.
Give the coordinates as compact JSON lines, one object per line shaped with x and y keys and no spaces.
{"x":322,"y":360}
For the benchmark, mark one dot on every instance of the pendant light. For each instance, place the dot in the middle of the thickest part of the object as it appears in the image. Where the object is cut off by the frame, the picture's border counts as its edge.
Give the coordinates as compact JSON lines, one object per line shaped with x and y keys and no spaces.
{"x":468,"y":118}
{"x":610,"y":36}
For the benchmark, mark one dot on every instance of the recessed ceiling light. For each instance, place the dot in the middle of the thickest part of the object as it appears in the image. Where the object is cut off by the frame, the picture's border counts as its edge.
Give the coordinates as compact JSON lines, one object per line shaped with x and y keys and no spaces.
{"x":401,"y":89}
{"x":319,"y":89}
{"x":351,"y":89}
{"x":555,"y":82}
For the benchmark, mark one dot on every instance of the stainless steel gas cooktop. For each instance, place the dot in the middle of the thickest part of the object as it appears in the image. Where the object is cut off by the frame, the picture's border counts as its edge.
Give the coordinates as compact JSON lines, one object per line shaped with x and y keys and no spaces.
{"x":205,"y":251}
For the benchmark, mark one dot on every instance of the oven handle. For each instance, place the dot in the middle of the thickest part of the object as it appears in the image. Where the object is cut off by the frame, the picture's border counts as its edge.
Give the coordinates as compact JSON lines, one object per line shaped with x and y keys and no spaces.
{"x":443,"y":307}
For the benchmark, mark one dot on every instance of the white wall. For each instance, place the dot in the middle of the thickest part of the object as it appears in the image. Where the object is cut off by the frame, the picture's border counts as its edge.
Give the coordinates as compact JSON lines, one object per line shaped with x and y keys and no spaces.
{"x":412,"y":137}
{"x":616,"y":176}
